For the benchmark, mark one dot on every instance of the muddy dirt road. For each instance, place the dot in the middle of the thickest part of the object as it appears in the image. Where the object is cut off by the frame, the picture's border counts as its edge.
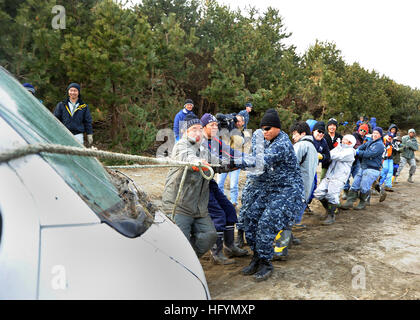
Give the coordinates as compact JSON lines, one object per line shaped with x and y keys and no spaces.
{"x":368,"y":254}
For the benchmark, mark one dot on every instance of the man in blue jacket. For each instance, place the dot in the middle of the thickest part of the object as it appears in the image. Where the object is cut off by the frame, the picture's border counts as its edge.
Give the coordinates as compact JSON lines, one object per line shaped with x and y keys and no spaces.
{"x":180,"y":118}
{"x":75,"y":114}
{"x":370,"y":156}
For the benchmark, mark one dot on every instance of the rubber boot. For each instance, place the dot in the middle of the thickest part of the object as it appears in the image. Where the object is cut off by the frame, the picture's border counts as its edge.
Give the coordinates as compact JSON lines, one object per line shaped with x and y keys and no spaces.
{"x":253,"y":266}
{"x":230,"y":249}
{"x":324,"y":203}
{"x":363,"y":200}
{"x":265,"y":269}
{"x":344,"y":196}
{"x":351,"y":198}
{"x":282,"y":244}
{"x":410,"y":178}
{"x":295,"y":241}
{"x":382,"y":194}
{"x":217,"y":252}
{"x":331,"y":215}
{"x":240,"y":240}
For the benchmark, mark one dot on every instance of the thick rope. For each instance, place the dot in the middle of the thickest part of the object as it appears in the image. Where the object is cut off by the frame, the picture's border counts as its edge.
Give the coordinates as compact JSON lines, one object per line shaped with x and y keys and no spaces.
{"x":60,"y":149}
{"x":18,"y":152}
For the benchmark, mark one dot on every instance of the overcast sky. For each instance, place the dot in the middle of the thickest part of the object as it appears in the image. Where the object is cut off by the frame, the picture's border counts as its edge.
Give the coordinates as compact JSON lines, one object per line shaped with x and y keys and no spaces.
{"x":383,"y":35}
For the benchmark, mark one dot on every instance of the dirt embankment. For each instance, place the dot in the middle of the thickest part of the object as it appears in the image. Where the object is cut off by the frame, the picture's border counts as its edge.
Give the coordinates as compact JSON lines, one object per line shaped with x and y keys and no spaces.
{"x":368,"y":254}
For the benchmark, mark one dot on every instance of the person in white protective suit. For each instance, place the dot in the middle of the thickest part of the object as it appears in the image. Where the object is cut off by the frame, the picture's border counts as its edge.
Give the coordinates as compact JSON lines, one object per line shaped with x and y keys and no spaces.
{"x":328,"y":191}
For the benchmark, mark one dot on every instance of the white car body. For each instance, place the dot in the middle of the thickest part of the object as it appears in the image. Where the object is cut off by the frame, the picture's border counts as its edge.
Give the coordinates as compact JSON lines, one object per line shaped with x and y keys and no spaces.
{"x":54,"y":246}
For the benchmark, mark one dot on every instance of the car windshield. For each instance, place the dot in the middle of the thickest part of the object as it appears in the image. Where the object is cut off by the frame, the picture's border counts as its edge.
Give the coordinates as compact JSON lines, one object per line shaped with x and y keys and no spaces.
{"x":85,"y":175}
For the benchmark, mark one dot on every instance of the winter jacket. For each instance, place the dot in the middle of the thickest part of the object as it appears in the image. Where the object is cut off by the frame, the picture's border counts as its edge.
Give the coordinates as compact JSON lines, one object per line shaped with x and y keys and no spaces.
{"x":342,"y":158}
{"x":194,"y":196}
{"x":370,"y":154}
{"x":333,"y":142}
{"x":393,"y":126}
{"x":307,"y":158}
{"x":396,"y":152}
{"x":389,"y":146}
{"x":322,"y":147}
{"x":180,"y":116}
{"x":78,"y":122}
{"x":372,"y":124}
{"x":409,"y":145}
{"x":359,"y":139}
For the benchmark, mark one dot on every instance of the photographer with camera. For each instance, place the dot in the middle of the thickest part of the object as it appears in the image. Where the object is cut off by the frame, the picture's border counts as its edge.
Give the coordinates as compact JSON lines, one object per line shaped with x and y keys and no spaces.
{"x":236,"y":141}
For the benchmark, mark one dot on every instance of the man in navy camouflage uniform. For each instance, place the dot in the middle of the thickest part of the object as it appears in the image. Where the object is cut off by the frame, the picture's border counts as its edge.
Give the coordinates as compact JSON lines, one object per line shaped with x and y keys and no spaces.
{"x":272,"y":197}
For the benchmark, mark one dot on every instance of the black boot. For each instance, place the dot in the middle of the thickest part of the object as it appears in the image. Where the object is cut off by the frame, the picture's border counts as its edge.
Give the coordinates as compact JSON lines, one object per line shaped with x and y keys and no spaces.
{"x":363,"y":201}
{"x":240,"y":240}
{"x":331,"y":215}
{"x":217,"y":252}
{"x":253,"y":266}
{"x":264,"y":271}
{"x":295,"y":241}
{"x":282,"y":244}
{"x":230,"y":249}
{"x":382,"y":194}
{"x":351,"y":198}
{"x":324,"y":203}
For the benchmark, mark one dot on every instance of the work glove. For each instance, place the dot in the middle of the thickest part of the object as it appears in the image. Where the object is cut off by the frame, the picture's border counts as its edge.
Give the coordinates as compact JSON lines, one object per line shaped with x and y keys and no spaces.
{"x":90,"y":139}
{"x":320,"y":156}
{"x":197,"y":169}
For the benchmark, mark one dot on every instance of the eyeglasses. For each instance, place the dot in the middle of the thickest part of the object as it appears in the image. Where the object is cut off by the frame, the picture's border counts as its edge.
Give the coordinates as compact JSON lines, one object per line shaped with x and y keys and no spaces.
{"x":266,"y":128}
{"x":362,"y":130}
{"x":320,"y":132}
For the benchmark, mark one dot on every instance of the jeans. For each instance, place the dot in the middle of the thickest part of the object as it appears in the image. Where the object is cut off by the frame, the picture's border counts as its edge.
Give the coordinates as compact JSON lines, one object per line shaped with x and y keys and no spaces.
{"x":234,"y":180}
{"x":364,"y":180}
{"x":354,"y":171}
{"x":314,"y":185}
{"x":387,"y":172}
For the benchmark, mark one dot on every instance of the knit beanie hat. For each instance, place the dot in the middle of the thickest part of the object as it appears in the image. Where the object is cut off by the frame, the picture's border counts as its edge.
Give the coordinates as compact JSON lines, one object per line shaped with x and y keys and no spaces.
{"x":29,"y":87}
{"x":379,"y":129}
{"x":320,"y":126}
{"x":364,"y":127}
{"x":74,"y":85}
{"x":351,"y":138}
{"x":191,"y":120}
{"x":332,"y":121}
{"x":248,"y":104}
{"x":271,"y":119}
{"x":411,"y":130}
{"x":207,"y":118}
{"x":188,"y":101}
